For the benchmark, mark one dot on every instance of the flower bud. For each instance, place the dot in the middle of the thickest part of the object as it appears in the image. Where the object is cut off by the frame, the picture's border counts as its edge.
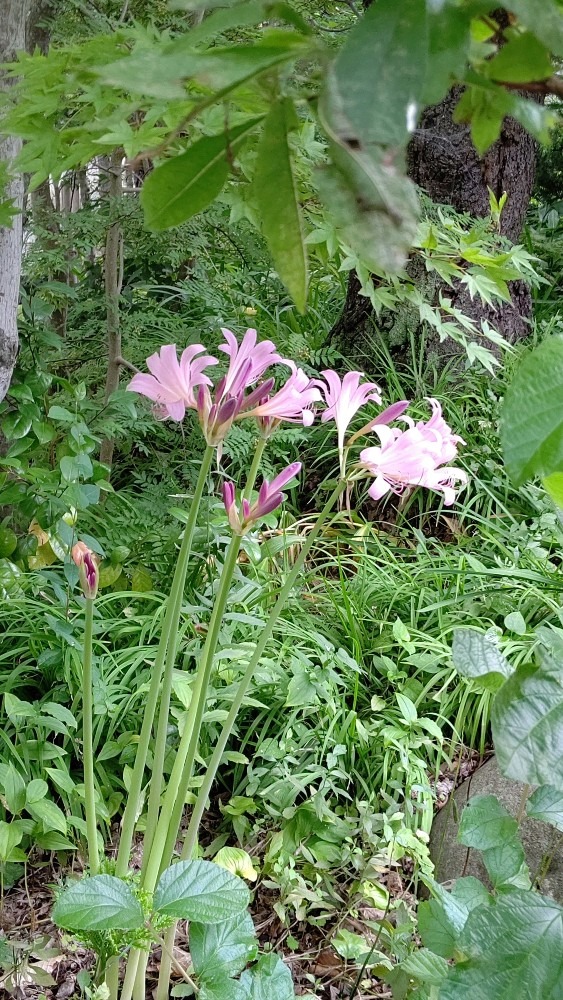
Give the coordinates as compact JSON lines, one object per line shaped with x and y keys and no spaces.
{"x":88,"y":572}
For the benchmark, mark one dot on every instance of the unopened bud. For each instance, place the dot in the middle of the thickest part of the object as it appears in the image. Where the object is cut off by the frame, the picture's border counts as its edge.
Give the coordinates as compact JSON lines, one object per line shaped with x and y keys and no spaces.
{"x":88,"y":572}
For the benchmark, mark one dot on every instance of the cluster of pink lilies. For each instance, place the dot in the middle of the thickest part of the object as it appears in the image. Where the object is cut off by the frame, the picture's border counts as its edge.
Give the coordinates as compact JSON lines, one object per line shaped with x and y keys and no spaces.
{"x":416,"y":454}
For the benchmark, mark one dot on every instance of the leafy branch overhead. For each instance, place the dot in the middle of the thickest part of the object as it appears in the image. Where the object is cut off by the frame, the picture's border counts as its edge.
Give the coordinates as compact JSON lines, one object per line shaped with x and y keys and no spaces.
{"x":195,"y":104}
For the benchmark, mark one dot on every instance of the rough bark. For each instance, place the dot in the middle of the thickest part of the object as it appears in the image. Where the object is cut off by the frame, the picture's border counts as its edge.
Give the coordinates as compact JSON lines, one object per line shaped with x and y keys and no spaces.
{"x":12,"y":38}
{"x":113,"y":271}
{"x":45,"y":211}
{"x":442,"y":160}
{"x":38,"y":29}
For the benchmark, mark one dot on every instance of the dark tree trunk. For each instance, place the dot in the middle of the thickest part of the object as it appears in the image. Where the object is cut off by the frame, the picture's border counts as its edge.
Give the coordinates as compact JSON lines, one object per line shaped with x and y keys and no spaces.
{"x":444,"y":163}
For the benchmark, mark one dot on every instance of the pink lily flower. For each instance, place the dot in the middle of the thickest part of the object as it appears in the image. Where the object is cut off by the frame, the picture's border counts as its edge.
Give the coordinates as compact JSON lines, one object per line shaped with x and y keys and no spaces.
{"x":292,"y":402}
{"x":248,"y":360}
{"x":414,"y":457}
{"x":439,"y":426}
{"x":343,"y":398}
{"x":270,"y":497}
{"x":171,"y":383}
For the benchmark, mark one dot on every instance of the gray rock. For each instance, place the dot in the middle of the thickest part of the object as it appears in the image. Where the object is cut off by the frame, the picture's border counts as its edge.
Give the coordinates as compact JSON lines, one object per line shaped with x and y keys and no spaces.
{"x":543,"y":845}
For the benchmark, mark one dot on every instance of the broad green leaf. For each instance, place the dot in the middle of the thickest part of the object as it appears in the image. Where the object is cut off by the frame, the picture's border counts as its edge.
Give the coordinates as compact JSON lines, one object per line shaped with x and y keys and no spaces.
{"x":521,"y":60}
{"x":62,"y":414}
{"x":553,"y":484}
{"x":515,"y":622}
{"x":75,"y":467}
{"x":17,"y":709}
{"x":546,"y":803}
{"x":506,"y":865}
{"x":373,"y":88}
{"x":18,"y":424}
{"x":108,"y":574}
{"x":426,"y":966}
{"x":544,"y":19}
{"x":61,"y":779}
{"x":532,"y":414}
{"x":513,"y":951}
{"x":201,"y":891}
{"x":53,"y":841}
{"x":14,"y":789}
{"x":488,"y":827}
{"x":48,"y":814}
{"x":35,"y":791}
{"x":184,"y":185}
{"x":435,"y":928}
{"x":441,"y":920}
{"x":527,"y":722}
{"x":223,"y":949}
{"x":485,"y":823}
{"x":270,"y":979}
{"x":221,"y":68}
{"x":101,"y":902}
{"x":223,"y":989}
{"x":10,"y":836}
{"x":353,"y":947}
{"x":375,"y":207}
{"x":60,"y":712}
{"x":476,"y":657}
{"x":43,"y":431}
{"x":278,"y":201}
{"x":8,"y":209}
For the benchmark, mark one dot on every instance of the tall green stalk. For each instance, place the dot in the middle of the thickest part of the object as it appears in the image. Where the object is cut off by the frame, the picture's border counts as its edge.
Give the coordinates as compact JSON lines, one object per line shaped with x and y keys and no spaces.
{"x":175,"y":796}
{"x":88,"y":748}
{"x":165,"y":833}
{"x":213,"y":766}
{"x":172,"y":807}
{"x":161,"y":734}
{"x":169,"y":628}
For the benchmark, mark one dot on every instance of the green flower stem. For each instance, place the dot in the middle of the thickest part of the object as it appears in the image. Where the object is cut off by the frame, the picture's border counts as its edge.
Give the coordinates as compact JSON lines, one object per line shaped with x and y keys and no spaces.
{"x":88,"y":749}
{"x":265,"y":635}
{"x":161,"y":734}
{"x":175,"y":795}
{"x":172,"y":807}
{"x":169,"y":628}
{"x":166,"y":831}
{"x":190,"y":841}
{"x":253,"y":472}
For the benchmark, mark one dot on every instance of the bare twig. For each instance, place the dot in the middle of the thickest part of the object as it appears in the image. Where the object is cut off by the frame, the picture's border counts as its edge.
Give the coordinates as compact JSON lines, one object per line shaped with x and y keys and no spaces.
{"x":126,"y":364}
{"x":553,"y":85}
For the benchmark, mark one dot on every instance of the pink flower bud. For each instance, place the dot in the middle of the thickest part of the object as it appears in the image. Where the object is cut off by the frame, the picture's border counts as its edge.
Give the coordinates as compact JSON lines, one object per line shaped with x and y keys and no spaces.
{"x":88,"y":571}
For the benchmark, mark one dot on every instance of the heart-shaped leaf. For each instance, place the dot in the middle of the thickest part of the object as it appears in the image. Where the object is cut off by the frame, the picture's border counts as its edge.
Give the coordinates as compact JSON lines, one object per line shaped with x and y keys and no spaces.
{"x":532,"y":414}
{"x":513,"y":949}
{"x":201,"y":891}
{"x":527,"y":722}
{"x":475,"y":656}
{"x":99,"y":903}
{"x":546,"y":803}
